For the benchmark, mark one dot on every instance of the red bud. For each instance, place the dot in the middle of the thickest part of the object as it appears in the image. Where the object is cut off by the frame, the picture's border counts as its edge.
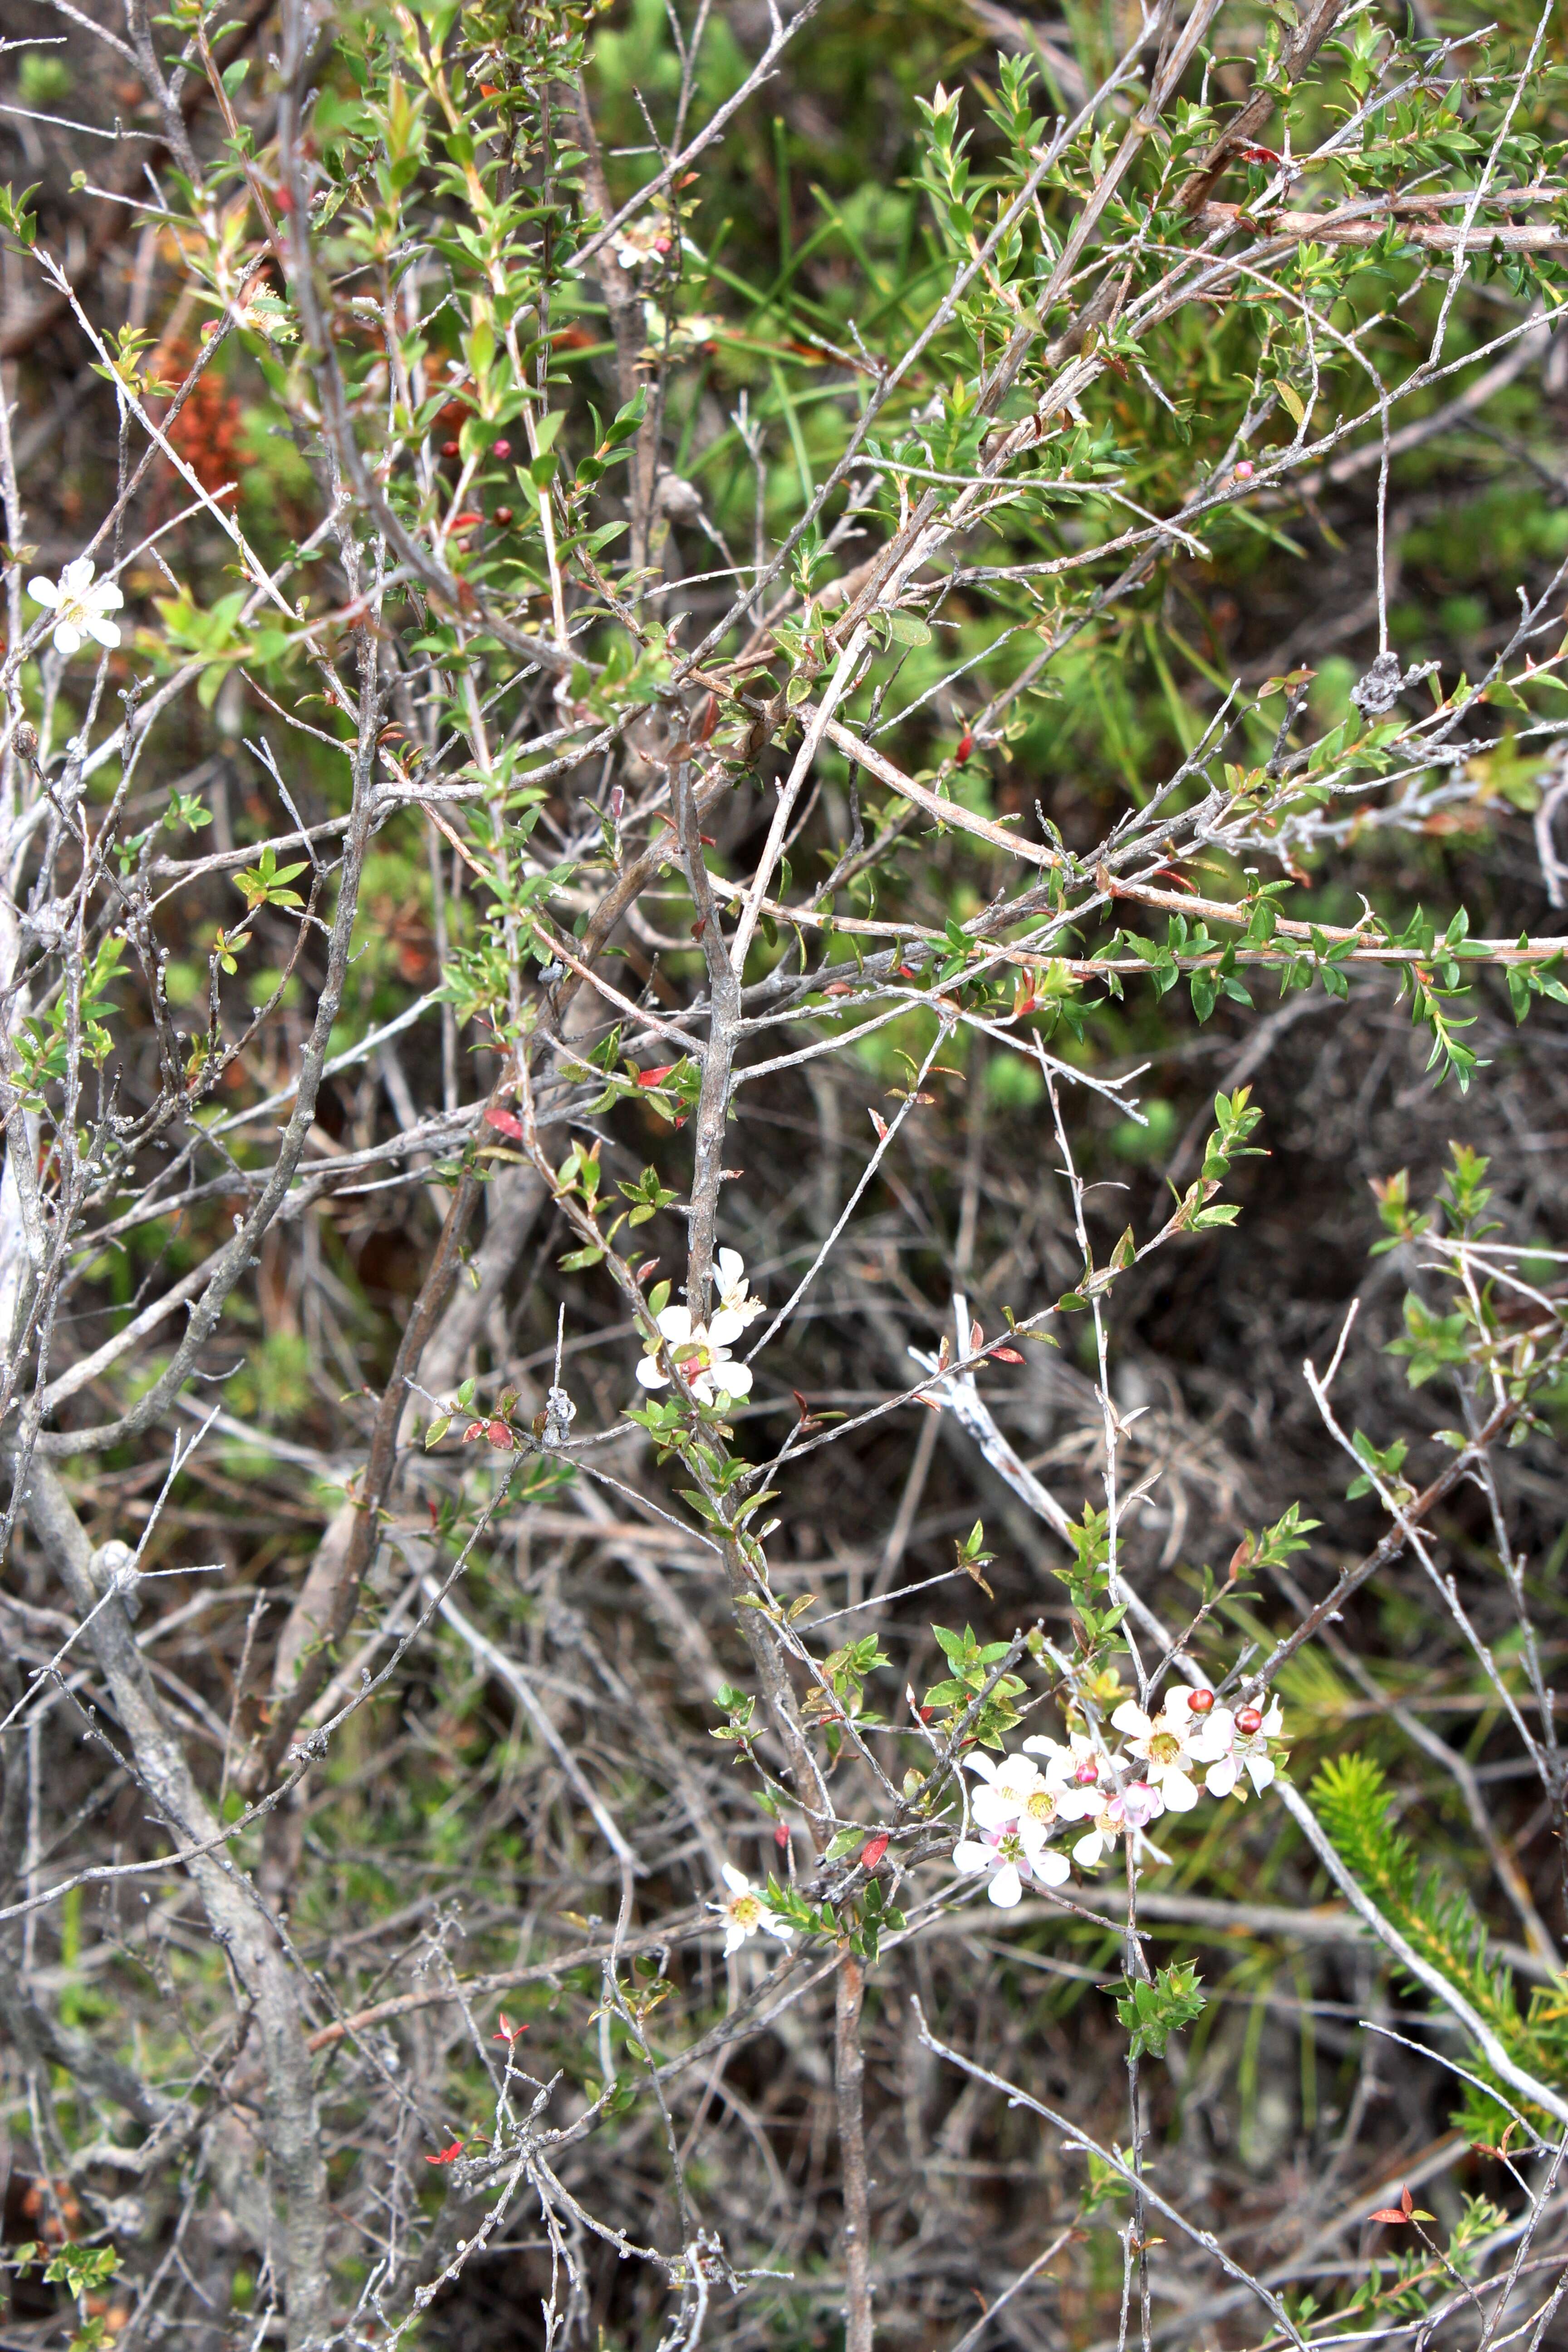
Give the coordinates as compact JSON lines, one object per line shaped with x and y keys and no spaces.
{"x":781,"y":1835}
{"x":1249,"y":1720}
{"x":1199,"y":1702}
{"x":503,"y":515}
{"x":965,"y":745}
{"x":449,"y":449}
{"x":501,"y":449}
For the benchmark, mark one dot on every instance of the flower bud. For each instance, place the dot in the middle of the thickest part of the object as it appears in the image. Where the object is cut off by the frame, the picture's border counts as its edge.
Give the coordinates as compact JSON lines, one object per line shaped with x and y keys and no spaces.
{"x":1251,"y":1719}
{"x":1244,"y":471}
{"x":450,"y":449}
{"x":1088,"y":1773}
{"x":503,"y":515}
{"x":501,"y":449}
{"x":1199,"y":1702}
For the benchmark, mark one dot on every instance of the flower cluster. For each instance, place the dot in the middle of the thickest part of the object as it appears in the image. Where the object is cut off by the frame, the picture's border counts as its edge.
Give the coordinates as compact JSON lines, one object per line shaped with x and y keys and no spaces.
{"x":701,"y":1350}
{"x":1022,"y":1805}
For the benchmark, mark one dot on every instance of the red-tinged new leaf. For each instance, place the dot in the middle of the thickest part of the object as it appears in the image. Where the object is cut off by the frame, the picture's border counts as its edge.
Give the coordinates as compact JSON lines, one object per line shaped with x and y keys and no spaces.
{"x":880,"y":1123}
{"x":447,"y":2154}
{"x":654,"y":1077}
{"x":1007,"y":1356}
{"x":871,"y":1853}
{"x":499,"y":1436}
{"x":505,"y":1122}
{"x":475,"y":1429}
{"x":781,"y":1835}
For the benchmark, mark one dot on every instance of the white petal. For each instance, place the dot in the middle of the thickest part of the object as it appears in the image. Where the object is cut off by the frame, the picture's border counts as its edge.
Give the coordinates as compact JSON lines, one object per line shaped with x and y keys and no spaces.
{"x":1208,"y":1745}
{"x":1006,"y":1888}
{"x":994,"y":1807}
{"x":985,"y":1765}
{"x":777,"y":1926}
{"x":725,"y":1325}
{"x":78,"y":575}
{"x":1274,"y":1721}
{"x":1040,"y":1746}
{"x":1223,"y":1723}
{"x":649,"y":1375}
{"x":1178,"y":1700}
{"x":731,"y":1266}
{"x":105,"y":632}
{"x":1178,"y":1792}
{"x":1220,"y":1779}
{"x":675,"y":1323}
{"x":1130,"y":1717}
{"x":1088,"y":1850}
{"x":67,"y":638}
{"x":44,"y":592}
{"x":1077,"y":1804}
{"x":1051,"y":1868}
{"x":107,"y":596}
{"x":1259,"y":1771}
{"x":969,"y":1855}
{"x":735,"y":1880}
{"x":734,"y":1939}
{"x":734,"y":1380}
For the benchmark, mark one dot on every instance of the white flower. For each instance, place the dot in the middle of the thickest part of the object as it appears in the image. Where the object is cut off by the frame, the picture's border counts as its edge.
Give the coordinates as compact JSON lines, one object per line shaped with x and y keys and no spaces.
{"x":642,"y":241}
{"x":734,"y":1290}
{"x":1249,"y":1747}
{"x":1168,"y":1742}
{"x":1019,"y":1796}
{"x":1011,"y":1856}
{"x":1123,"y":1815}
{"x":745,"y":1911}
{"x":1079,"y":1768}
{"x":702,"y":1352}
{"x":78,"y":606}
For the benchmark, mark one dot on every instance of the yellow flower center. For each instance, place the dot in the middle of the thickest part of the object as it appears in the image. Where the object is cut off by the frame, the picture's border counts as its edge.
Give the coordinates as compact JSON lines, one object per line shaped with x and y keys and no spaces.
{"x":1165,"y":1747}
{"x":745,"y":1910}
{"x":1042,"y":1806}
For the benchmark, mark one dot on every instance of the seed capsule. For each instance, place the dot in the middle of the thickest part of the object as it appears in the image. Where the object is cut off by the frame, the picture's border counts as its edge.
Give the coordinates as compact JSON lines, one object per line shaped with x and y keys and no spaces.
{"x":1249,"y":1720}
{"x":450,"y":449}
{"x":503,"y":515}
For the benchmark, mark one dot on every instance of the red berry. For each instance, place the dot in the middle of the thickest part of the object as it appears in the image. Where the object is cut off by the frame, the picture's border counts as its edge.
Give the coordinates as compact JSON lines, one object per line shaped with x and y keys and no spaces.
{"x":1200,"y":1701}
{"x":1249,"y":1720}
{"x":503,"y":515}
{"x":500,"y":449}
{"x":449,"y":449}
